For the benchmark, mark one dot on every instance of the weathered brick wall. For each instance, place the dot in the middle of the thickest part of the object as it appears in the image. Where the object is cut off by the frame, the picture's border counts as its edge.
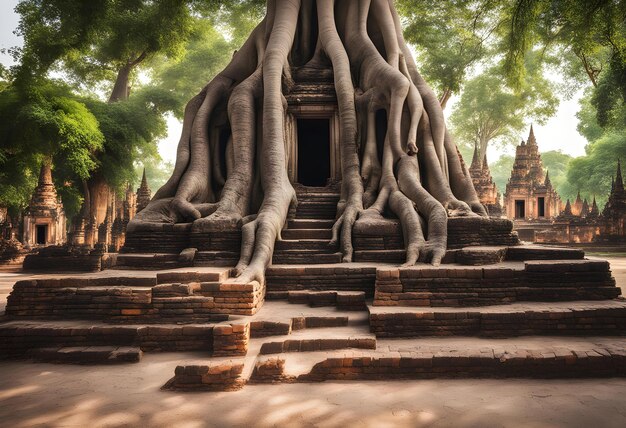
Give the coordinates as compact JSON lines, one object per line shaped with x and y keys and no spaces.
{"x":135,"y":299}
{"x":220,"y":340}
{"x":471,"y":286}
{"x":282,"y":279}
{"x":504,"y":324}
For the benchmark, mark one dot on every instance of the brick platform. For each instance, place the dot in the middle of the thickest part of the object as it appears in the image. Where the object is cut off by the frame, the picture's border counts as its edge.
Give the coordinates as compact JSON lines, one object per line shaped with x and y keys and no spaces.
{"x":508,"y":282}
{"x":563,"y":318}
{"x":559,"y":315}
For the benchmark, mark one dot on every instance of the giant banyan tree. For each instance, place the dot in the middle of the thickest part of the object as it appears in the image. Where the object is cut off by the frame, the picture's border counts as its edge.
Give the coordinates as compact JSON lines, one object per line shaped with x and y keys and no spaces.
{"x":397,"y":157}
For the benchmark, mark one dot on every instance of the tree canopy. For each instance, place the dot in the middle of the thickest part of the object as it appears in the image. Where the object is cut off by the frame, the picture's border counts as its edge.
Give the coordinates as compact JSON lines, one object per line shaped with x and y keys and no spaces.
{"x":490,"y":112}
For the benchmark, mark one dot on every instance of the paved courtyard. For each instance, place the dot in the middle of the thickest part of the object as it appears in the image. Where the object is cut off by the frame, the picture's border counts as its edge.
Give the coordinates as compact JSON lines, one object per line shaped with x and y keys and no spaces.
{"x":129,"y":395}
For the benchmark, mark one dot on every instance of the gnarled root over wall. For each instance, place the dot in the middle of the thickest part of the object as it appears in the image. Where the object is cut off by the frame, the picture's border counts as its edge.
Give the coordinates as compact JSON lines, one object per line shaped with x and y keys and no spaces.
{"x":397,"y":157}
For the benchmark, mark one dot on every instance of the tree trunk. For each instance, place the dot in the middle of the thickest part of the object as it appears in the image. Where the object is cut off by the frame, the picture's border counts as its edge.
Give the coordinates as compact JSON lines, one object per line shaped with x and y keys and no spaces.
{"x":418,"y":176}
{"x":444,"y":97}
{"x":121,"y":88}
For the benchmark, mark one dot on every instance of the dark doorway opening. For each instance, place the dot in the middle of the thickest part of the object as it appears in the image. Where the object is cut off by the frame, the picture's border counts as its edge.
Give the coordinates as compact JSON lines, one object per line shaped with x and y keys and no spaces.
{"x":41,"y":231}
{"x":313,"y":152}
{"x":520,"y":209}
{"x":541,"y":207}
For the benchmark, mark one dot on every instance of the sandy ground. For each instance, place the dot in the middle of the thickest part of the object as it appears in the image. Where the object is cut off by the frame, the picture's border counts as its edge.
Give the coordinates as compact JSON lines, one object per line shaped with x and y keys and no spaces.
{"x":129,"y":395}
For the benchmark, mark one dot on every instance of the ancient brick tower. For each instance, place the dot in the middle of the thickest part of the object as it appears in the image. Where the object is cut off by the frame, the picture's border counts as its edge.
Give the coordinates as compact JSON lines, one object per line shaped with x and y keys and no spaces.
{"x":144,"y":194}
{"x":614,"y":214}
{"x":529,"y":193}
{"x":484,"y":185}
{"x":44,"y":219}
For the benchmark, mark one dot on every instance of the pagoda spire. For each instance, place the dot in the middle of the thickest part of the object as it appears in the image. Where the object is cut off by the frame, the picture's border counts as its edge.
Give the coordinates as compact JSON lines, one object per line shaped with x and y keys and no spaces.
{"x":531,"y":136}
{"x":144,"y":181}
{"x":595,"y":211}
{"x":619,"y":182}
{"x":547,"y":181}
{"x":144,"y":194}
{"x":45,"y":174}
{"x":485,"y":164}
{"x":568,"y":208}
{"x":475,"y":159}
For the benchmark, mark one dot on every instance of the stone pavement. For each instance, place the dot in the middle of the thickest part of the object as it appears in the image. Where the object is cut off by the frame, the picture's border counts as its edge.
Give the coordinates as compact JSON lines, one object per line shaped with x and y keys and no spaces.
{"x":129,"y":395}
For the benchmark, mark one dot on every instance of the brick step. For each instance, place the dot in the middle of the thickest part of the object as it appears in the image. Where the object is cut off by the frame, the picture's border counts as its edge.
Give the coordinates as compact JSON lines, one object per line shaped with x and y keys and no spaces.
{"x":480,"y":256}
{"x":214,"y":375}
{"x":321,"y":339}
{"x":485,"y":296}
{"x":518,"y":319}
{"x":459,"y":285}
{"x":279,"y":318}
{"x":380,"y":256}
{"x":18,"y":338}
{"x":347,"y":300}
{"x":87,"y":355}
{"x":303,"y":223}
{"x":305,"y":256}
{"x":216,"y":258}
{"x":147,"y":261}
{"x":299,"y":234}
{"x":550,"y":357}
{"x":539,"y":252}
{"x":305,"y":244}
{"x":323,"y":207}
{"x":335,"y":276}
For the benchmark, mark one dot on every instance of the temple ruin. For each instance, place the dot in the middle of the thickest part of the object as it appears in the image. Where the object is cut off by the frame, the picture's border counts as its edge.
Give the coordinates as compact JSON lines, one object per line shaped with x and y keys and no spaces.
{"x":44,"y":219}
{"x":580,"y":223}
{"x":319,"y":223}
{"x":530,"y":199}
{"x":485,"y":187}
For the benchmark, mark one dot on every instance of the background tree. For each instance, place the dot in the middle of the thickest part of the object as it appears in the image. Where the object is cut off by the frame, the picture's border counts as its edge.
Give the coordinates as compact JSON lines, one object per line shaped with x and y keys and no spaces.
{"x":46,"y":121}
{"x":489,"y":112}
{"x":450,"y":38}
{"x":590,"y":33}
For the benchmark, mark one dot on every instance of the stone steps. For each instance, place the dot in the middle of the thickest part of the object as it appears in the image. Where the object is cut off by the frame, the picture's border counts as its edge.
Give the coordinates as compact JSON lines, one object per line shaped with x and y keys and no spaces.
{"x":303,"y":223}
{"x":281,"y":278}
{"x":87,"y":355}
{"x":346,"y":300}
{"x":305,"y":245}
{"x":305,"y":256}
{"x":279,"y":318}
{"x":147,"y":261}
{"x":300,"y":234}
{"x":561,"y":318}
{"x":352,"y":337}
{"x":216,"y":258}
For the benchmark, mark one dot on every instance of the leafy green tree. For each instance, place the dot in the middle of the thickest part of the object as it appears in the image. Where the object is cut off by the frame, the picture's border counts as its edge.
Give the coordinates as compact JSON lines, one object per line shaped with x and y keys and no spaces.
{"x":450,"y":37}
{"x":591,"y":174}
{"x":589,"y":38}
{"x":557,"y":162}
{"x":501,"y":171}
{"x":489,"y":112}
{"x":47,"y":121}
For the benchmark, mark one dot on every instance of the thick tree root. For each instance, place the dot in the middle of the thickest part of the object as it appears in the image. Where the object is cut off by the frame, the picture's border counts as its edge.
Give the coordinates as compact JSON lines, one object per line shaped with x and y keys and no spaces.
{"x":397,"y":157}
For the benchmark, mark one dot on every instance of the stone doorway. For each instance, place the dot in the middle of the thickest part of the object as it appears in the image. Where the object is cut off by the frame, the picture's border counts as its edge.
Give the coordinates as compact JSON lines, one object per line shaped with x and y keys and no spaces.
{"x":313,"y":152}
{"x":520,"y":209}
{"x":541,"y":207}
{"x":41,"y":231}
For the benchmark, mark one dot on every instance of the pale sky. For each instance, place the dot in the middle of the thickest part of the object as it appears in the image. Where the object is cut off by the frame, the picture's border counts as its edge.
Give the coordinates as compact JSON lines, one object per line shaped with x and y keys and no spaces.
{"x":559,"y":133}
